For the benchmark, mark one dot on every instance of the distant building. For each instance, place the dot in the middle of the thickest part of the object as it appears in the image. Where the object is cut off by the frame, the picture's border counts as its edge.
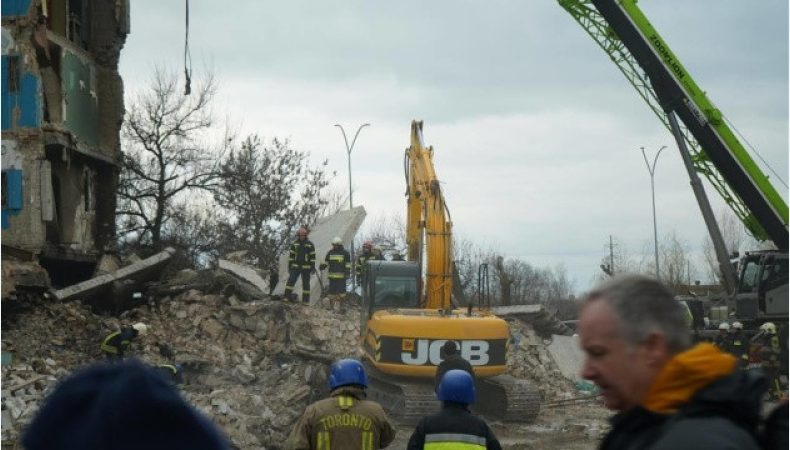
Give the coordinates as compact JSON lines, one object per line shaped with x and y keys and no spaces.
{"x":62,"y":109}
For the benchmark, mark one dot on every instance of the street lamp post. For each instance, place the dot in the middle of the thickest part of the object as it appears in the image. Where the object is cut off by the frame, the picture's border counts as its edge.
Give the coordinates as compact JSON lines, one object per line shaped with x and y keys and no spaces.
{"x":348,"y":151}
{"x":652,"y":171}
{"x":350,"y":190}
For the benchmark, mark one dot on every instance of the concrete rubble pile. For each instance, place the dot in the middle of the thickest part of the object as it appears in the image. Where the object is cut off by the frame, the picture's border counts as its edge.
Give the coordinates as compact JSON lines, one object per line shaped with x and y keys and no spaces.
{"x":529,"y":359}
{"x":251,"y":363}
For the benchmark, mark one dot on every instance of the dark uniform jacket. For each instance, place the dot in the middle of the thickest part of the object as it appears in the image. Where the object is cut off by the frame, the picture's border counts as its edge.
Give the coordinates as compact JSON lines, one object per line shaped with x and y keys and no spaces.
{"x":302,"y":255}
{"x":700,"y":401}
{"x":738,"y":346}
{"x":339,"y":262}
{"x":454,"y":427}
{"x":454,"y":361}
{"x":345,"y":420}
{"x":362,"y":259}
{"x":117,"y":342}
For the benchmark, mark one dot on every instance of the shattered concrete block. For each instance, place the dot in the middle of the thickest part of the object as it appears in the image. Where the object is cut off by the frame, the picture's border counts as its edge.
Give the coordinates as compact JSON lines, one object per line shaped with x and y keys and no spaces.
{"x":212,"y":328}
{"x":237,"y":321}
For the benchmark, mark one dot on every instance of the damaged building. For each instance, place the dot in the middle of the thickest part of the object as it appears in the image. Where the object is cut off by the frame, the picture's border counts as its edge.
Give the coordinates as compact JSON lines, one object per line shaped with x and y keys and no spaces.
{"x":62,"y":109}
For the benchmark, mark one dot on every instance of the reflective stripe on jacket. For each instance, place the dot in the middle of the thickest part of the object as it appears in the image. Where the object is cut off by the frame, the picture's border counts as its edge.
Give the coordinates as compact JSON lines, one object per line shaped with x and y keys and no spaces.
{"x":301,"y":255}
{"x":454,"y":427}
{"x":454,"y":441}
{"x":117,"y":341}
{"x":343,"y":421}
{"x":339,"y":263}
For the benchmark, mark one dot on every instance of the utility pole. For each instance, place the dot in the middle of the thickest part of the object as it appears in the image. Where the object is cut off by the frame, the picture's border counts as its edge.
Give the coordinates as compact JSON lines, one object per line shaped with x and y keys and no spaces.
{"x":350,"y":190}
{"x":652,"y":170}
{"x":609,"y":268}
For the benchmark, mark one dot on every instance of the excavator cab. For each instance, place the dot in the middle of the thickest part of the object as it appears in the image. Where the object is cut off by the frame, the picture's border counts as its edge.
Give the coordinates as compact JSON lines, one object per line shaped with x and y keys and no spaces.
{"x":390,"y":284}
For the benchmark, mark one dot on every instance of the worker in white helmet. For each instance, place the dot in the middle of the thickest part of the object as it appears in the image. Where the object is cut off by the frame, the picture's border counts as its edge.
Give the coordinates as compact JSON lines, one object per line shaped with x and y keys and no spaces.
{"x":339,"y":263}
{"x":766,"y":351}
{"x":722,"y":340}
{"x":739,"y":345}
{"x":116,"y":343}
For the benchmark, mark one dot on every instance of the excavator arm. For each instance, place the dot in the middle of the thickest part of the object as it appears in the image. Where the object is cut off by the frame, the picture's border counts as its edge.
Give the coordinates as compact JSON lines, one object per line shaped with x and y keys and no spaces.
{"x":428,"y":222}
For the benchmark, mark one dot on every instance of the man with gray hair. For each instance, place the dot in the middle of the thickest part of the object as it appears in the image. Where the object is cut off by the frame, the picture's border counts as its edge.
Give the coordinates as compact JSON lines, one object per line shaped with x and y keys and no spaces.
{"x":668,"y":394}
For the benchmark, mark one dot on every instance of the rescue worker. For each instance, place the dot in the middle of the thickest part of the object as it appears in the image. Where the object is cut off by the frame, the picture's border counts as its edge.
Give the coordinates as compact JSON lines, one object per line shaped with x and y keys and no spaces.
{"x":769,"y":351}
{"x":378,"y":255}
{"x":116,"y":343}
{"x":722,"y":340}
{"x":451,"y":359}
{"x":345,"y":420}
{"x":338,"y":261}
{"x":738,"y":344}
{"x":362,"y":259}
{"x":454,"y":426}
{"x":301,"y":261}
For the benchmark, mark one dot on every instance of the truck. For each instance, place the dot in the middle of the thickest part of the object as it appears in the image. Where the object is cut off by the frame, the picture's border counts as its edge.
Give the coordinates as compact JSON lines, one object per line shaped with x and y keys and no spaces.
{"x":758,"y":292}
{"x":408,"y":314}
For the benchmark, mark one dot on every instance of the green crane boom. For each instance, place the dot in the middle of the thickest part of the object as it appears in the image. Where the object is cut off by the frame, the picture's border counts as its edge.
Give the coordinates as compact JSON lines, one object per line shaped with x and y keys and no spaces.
{"x":621,"y":29}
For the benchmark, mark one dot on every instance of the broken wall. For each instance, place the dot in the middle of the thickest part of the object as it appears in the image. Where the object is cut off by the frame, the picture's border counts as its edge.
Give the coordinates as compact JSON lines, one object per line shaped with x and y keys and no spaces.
{"x":62,"y":101}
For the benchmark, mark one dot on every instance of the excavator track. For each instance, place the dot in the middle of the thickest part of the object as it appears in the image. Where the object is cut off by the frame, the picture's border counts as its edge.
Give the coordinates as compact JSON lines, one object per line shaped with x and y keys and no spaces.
{"x":405,"y":400}
{"x":507,"y":399}
{"x":408,"y":400}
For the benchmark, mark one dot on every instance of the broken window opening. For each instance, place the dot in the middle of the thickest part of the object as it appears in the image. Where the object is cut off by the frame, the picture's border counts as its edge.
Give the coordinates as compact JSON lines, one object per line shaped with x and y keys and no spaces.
{"x":4,"y":190}
{"x":13,"y":73}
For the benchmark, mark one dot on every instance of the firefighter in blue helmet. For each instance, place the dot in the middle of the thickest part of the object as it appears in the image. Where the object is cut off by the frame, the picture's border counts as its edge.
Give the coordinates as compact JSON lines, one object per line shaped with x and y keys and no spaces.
{"x":454,"y":426}
{"x":345,"y":419}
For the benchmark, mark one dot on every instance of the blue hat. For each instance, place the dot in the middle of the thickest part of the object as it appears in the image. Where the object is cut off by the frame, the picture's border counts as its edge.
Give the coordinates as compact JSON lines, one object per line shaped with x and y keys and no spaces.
{"x":345,"y":372}
{"x":457,"y":386}
{"x":124,"y":406}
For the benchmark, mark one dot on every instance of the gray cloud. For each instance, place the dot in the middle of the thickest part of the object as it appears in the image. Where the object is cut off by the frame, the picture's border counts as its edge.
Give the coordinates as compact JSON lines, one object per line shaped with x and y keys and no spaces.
{"x":537,"y":133}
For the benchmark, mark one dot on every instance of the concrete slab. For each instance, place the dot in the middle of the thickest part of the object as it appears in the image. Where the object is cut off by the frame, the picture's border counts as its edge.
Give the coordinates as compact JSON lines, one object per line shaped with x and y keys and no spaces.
{"x":568,"y":355}
{"x":344,"y":224}
{"x":134,"y":273}
{"x":543,"y":321}
{"x":246,"y":273}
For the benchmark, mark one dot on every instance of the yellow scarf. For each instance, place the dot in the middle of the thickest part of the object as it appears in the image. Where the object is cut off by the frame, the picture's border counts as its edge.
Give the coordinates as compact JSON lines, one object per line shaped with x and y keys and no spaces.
{"x":685,"y":374}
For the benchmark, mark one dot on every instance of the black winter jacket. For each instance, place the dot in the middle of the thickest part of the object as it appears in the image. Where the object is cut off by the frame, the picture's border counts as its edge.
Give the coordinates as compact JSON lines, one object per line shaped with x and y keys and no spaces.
{"x":721,"y":416}
{"x":454,"y":423}
{"x":451,"y":362}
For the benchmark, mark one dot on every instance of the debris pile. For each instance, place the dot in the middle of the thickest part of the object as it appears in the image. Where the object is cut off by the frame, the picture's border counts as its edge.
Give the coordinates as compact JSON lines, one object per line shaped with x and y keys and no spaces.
{"x":250,"y":362}
{"x":529,"y":359}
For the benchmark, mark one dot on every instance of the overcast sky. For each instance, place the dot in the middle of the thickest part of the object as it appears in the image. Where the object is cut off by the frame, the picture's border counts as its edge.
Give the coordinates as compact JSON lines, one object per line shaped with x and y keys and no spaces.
{"x":536,"y":133}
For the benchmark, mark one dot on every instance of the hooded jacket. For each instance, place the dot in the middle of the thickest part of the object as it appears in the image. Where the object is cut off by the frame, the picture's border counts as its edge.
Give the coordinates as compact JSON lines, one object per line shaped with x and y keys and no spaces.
{"x":699,"y":401}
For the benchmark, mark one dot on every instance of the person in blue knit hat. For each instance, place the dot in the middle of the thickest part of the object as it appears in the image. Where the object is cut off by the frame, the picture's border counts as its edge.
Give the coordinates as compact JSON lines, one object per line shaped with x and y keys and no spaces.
{"x":123,"y":406}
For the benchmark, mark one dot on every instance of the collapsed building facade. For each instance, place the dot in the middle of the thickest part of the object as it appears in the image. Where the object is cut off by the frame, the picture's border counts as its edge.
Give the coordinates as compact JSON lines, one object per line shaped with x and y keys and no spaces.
{"x":62,"y":109}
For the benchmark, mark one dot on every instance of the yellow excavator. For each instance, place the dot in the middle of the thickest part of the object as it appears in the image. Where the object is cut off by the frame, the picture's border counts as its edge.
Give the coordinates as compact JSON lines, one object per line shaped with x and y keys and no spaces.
{"x":408,"y":314}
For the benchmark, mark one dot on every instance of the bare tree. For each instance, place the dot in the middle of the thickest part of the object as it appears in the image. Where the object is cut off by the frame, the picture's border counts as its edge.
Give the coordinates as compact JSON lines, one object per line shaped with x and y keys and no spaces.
{"x":387,"y":232}
{"x":166,"y":154}
{"x":677,"y":269}
{"x":617,"y":260}
{"x":265,"y":192}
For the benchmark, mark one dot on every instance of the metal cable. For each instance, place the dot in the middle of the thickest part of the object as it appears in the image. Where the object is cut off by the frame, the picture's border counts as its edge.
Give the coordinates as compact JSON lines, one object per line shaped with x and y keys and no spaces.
{"x":187,"y":57}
